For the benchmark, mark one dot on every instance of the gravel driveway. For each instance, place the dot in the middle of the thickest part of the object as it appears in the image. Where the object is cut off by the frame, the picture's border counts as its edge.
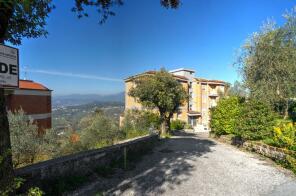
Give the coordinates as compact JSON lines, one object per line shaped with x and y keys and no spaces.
{"x":190,"y":164}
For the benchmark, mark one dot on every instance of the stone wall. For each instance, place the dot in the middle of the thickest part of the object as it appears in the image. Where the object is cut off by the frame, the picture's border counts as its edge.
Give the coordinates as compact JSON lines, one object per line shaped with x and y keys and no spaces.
{"x":256,"y":146}
{"x":83,"y":163}
{"x":266,"y":150}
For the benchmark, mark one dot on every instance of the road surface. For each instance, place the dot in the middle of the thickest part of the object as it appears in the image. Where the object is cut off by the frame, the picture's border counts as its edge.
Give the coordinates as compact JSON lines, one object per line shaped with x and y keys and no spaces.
{"x":189,"y":164}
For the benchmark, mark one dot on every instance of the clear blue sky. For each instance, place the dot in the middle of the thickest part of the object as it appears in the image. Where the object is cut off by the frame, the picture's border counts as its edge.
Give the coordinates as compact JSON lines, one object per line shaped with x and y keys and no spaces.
{"x":81,"y":56}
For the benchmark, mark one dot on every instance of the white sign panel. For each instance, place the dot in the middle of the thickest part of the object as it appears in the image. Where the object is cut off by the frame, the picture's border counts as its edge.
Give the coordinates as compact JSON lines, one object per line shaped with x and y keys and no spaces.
{"x":9,"y":67}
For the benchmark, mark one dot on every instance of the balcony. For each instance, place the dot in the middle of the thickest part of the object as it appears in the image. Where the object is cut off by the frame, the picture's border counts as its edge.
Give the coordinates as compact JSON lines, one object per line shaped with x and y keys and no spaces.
{"x":213,"y":94}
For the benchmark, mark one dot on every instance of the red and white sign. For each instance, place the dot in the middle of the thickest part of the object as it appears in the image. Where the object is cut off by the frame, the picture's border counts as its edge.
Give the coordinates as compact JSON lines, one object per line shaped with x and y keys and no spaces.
{"x":9,"y":67}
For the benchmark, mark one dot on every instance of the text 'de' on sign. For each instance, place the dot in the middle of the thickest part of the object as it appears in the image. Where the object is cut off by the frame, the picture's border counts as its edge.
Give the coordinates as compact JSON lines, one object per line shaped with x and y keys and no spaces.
{"x":9,"y":67}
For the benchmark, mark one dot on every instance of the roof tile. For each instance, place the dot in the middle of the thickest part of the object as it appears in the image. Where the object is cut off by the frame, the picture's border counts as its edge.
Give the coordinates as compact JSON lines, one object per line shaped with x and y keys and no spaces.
{"x":29,"y":84}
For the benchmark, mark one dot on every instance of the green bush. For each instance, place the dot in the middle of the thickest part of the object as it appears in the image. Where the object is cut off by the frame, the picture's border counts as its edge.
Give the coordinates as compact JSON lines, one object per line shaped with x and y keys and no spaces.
{"x":177,"y":125}
{"x":255,"y":121}
{"x":139,"y":122}
{"x":188,"y":126}
{"x":97,"y":130}
{"x":224,"y":115}
{"x":284,"y":135}
{"x":27,"y":144}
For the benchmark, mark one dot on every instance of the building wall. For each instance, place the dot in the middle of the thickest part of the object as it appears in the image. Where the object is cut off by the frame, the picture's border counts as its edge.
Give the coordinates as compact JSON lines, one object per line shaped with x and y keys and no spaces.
{"x":35,"y":103}
{"x":130,"y":102}
{"x":205,"y":94}
{"x":182,"y":114}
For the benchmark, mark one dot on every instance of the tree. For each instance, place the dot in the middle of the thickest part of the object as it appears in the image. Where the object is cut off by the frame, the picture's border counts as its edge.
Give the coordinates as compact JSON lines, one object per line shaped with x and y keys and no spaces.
{"x":27,"y":18}
{"x":268,"y":63}
{"x":237,"y":89}
{"x":139,"y":122}
{"x":224,"y":115}
{"x":161,"y":91}
{"x":27,"y":144}
{"x":97,"y":131}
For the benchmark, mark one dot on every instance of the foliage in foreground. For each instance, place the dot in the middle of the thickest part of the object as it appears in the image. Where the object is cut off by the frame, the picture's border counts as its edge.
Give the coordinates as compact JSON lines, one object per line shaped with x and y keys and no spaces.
{"x":224,"y":115}
{"x":255,"y":120}
{"x":139,"y":122}
{"x":177,"y":125}
{"x":97,"y":131}
{"x":284,"y":136}
{"x":29,"y":145}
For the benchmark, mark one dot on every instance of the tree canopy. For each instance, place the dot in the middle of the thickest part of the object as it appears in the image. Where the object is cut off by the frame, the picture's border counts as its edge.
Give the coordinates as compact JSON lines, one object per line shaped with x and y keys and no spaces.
{"x":161,"y":91}
{"x":268,"y":62}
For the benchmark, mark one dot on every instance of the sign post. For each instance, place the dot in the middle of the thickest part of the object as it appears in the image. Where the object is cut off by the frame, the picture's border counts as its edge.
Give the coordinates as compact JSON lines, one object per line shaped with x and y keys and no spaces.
{"x":9,"y":78}
{"x":9,"y":67}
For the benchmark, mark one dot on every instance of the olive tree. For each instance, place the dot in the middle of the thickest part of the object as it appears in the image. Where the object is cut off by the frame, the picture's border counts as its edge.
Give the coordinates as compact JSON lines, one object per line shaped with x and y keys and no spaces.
{"x":162,"y":91}
{"x":268,"y":63}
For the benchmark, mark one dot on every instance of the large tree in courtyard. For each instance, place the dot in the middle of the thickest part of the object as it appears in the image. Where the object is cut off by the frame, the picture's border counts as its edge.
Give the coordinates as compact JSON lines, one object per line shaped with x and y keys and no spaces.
{"x":268,"y":63}
{"x":161,"y":91}
{"x":27,"y":19}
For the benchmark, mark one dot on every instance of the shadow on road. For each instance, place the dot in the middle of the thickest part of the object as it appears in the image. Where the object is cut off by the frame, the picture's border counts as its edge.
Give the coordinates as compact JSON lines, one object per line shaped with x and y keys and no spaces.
{"x":170,"y":164}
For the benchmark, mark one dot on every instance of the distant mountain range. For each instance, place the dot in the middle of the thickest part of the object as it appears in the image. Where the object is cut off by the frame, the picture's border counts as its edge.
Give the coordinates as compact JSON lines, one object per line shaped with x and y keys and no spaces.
{"x":80,"y":99}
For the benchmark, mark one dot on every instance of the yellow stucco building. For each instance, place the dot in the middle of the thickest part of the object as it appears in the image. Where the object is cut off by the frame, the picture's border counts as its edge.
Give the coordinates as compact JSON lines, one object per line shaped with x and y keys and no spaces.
{"x":203,"y":94}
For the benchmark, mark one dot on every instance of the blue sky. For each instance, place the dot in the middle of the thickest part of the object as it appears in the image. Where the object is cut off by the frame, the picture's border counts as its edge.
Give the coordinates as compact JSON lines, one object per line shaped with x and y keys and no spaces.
{"x":81,"y":56}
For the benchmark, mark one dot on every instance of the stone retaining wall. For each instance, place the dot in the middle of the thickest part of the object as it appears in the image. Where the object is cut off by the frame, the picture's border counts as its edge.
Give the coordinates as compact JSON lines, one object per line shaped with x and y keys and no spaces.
{"x":269,"y":151}
{"x":84,"y":162}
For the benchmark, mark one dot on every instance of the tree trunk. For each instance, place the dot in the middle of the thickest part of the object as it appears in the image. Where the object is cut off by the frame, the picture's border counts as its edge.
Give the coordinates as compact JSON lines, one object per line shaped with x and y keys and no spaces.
{"x":6,"y":168}
{"x":168,"y":123}
{"x":286,"y":109}
{"x":163,"y":127}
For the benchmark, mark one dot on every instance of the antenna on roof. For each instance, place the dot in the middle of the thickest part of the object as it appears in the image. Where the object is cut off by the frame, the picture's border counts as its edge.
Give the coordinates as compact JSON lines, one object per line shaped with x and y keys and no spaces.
{"x":25,"y":72}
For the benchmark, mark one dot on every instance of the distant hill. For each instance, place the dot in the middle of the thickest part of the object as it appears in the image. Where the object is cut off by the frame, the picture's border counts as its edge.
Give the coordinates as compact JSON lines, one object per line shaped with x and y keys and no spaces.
{"x":79,"y":99}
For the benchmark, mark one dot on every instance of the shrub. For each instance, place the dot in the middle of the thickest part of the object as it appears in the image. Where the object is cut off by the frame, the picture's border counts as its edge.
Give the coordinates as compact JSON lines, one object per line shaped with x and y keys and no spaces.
{"x":97,"y":130}
{"x":177,"y":125}
{"x":70,"y":143}
{"x":28,"y":146}
{"x":284,"y":135}
{"x":255,"y":121}
{"x":188,"y":126}
{"x":224,"y":115}
{"x":139,"y":122}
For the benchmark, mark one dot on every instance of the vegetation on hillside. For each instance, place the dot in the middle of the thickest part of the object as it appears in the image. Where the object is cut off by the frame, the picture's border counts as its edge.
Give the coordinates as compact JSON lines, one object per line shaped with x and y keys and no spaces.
{"x":96,"y":130}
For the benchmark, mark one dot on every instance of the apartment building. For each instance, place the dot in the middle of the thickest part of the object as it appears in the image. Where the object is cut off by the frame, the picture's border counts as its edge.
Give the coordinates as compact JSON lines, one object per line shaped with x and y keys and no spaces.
{"x":34,"y":99}
{"x":203,"y":95}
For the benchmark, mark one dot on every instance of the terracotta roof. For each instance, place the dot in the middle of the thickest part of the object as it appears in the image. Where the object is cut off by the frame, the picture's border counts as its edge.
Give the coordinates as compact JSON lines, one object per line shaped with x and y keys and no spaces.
{"x":153,"y":72}
{"x":31,"y":85}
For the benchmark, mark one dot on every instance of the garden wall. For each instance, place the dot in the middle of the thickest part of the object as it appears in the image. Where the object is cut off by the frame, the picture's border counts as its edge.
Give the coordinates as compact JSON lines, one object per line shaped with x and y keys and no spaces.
{"x":83,"y":163}
{"x":278,"y":154}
